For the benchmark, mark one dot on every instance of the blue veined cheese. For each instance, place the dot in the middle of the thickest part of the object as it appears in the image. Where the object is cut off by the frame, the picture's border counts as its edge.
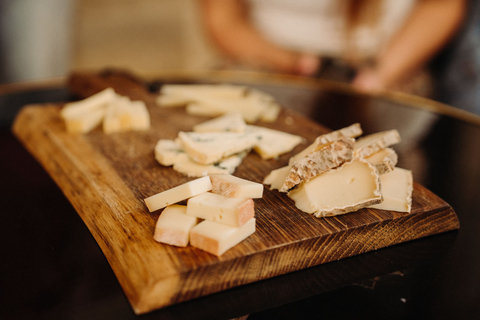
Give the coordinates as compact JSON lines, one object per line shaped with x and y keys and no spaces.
{"x":273,"y":143}
{"x":212,"y":147}
{"x":352,"y":186}
{"x":230,"y":122}
{"x":368,"y":145}
{"x":397,"y":189}
{"x":173,"y":226}
{"x":351,"y":131}
{"x":217,"y":238}
{"x":168,"y":152}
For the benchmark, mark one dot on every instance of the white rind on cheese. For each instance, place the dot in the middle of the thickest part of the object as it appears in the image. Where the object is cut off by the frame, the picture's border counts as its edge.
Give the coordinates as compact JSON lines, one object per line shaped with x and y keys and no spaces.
{"x":352,"y":186}
{"x":216,"y":238}
{"x":214,"y":207}
{"x":384,"y":160}
{"x":185,"y":165}
{"x":273,"y":143}
{"x":211,"y":147}
{"x":351,"y":131}
{"x":168,"y":152}
{"x":368,"y":145}
{"x":178,"y":193}
{"x":235,"y":187}
{"x":173,"y":226}
{"x":397,"y":189}
{"x":325,"y":158}
{"x":230,"y":122}
{"x":276,"y":178}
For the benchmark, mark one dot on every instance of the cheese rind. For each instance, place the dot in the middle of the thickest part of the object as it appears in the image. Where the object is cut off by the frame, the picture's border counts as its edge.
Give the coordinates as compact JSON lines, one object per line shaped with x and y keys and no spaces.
{"x":397,"y":189}
{"x":178,"y":193}
{"x":214,"y":207}
{"x":324,"y":158}
{"x":173,"y":226}
{"x":211,"y":147}
{"x":216,"y":238}
{"x":384,"y":160}
{"x":368,"y":145}
{"x":235,"y":187}
{"x":352,"y":186}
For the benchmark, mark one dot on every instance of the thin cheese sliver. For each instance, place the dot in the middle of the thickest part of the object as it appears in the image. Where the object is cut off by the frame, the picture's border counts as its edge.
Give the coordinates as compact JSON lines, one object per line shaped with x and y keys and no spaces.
{"x":178,"y":193}
{"x":216,"y":238}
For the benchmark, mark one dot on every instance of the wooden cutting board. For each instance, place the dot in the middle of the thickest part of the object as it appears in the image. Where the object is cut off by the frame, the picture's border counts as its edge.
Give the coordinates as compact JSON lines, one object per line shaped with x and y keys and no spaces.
{"x":106,"y":178}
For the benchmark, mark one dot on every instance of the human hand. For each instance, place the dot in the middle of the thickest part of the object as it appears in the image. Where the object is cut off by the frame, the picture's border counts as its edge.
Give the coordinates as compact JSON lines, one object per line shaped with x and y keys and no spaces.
{"x":369,"y":80}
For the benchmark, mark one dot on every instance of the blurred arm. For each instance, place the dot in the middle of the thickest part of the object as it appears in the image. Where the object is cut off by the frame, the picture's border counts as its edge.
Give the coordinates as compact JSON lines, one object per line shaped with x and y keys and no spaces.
{"x":227,"y":23}
{"x":430,"y":26}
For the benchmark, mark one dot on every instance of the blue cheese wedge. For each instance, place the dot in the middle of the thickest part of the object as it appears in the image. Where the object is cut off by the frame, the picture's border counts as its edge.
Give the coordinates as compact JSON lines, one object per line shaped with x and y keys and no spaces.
{"x":352,"y":186}
{"x":230,"y":122}
{"x":273,"y":143}
{"x":212,"y":147}
{"x":168,"y":152}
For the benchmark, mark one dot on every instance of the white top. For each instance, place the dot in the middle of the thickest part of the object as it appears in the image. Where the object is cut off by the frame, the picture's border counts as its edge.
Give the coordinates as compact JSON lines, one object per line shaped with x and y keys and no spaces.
{"x":318,"y":26}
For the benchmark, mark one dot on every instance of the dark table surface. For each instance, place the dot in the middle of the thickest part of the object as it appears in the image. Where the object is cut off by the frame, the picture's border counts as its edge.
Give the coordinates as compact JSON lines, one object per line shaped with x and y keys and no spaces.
{"x":52,"y":268}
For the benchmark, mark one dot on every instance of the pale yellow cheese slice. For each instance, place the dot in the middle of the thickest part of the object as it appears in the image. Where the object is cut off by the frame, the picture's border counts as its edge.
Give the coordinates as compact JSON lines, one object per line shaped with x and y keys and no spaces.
{"x":276,"y":178}
{"x":368,"y":145}
{"x":85,"y":122}
{"x":173,"y":226}
{"x":397,"y":189}
{"x":217,"y":238}
{"x":122,"y":114}
{"x":185,"y":165}
{"x":348,"y":188}
{"x":384,"y":160}
{"x":168,"y":152}
{"x":229,"y":122}
{"x":273,"y":143}
{"x":234,"y":187}
{"x":178,"y":193}
{"x":214,"y":207}
{"x":88,"y":105}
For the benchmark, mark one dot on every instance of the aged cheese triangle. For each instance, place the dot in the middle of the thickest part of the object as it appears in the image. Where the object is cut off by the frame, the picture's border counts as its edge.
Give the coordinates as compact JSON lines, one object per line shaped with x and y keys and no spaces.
{"x":368,"y":145}
{"x":384,"y":160}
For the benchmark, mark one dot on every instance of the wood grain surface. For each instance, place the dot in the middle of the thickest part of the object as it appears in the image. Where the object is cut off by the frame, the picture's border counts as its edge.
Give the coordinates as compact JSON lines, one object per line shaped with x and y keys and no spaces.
{"x":106,"y":178}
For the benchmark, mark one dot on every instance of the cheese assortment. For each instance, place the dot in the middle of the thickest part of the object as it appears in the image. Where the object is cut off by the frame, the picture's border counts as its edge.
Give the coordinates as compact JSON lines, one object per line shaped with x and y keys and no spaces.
{"x":338,"y":174}
{"x":217,"y":100}
{"x":219,"y":145}
{"x":213,"y":220}
{"x":117,"y":113}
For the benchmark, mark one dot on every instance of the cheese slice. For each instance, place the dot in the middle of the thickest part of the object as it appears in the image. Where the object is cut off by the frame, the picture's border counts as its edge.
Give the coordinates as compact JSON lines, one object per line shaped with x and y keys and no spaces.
{"x":230,"y":122}
{"x":173,"y":226}
{"x":211,"y":147}
{"x":199,"y":91}
{"x":276,"y":178}
{"x":273,"y":143}
{"x":178,"y":193}
{"x":384,"y":160}
{"x":397,"y":189}
{"x":326,"y":157}
{"x":235,"y":187}
{"x":88,"y":105}
{"x":185,"y":165}
{"x":168,"y":152}
{"x":85,"y":122}
{"x":368,"y":145}
{"x":122,"y":114}
{"x":214,"y":207}
{"x":216,"y":238}
{"x":351,"y":131}
{"x":348,"y":188}
{"x":172,"y":101}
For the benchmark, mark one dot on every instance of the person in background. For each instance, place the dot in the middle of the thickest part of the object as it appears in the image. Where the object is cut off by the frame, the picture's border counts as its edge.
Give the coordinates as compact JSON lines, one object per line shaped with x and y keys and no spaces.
{"x":374,"y":44}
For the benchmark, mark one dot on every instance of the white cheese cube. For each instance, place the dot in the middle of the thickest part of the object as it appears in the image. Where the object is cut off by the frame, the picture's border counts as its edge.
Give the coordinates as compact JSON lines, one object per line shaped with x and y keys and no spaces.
{"x":235,"y":187}
{"x":348,"y":188}
{"x":178,"y":193}
{"x":397,"y":189}
{"x":217,"y":238}
{"x":173,"y":226}
{"x":234,"y":212}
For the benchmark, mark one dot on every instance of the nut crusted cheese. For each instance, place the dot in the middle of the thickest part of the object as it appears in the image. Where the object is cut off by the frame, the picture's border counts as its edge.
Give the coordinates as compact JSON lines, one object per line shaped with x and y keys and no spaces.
{"x":368,"y":145}
{"x":384,"y":160}
{"x":214,"y":207}
{"x":216,"y":238}
{"x":173,"y":226}
{"x":178,"y":193}
{"x":351,"y":131}
{"x":348,"y":188}
{"x":230,"y":122}
{"x":235,"y":187}
{"x":326,"y":157}
{"x":211,"y":147}
{"x":272,"y":143}
{"x":397,"y":189}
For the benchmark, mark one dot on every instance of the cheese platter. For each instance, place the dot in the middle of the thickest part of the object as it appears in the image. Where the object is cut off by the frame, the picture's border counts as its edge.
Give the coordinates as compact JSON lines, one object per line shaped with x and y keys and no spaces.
{"x":108,"y":176}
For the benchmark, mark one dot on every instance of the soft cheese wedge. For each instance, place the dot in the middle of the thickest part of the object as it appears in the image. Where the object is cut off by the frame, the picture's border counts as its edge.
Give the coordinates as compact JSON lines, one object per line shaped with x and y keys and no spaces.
{"x":216,"y":238}
{"x":325,"y":158}
{"x":348,"y":188}
{"x":368,"y":145}
{"x":273,"y":143}
{"x":178,"y":193}
{"x":234,"y":212}
{"x":173,"y":226}
{"x":211,"y":147}
{"x":351,"y":131}
{"x":384,"y":160}
{"x":235,"y":187}
{"x":397,"y":189}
